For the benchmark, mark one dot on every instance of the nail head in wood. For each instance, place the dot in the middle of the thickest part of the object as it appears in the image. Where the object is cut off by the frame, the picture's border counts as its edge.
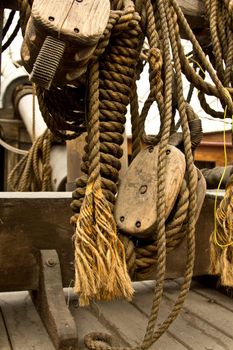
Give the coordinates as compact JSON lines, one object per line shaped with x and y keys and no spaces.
{"x":143,"y":189}
{"x":151,"y":148}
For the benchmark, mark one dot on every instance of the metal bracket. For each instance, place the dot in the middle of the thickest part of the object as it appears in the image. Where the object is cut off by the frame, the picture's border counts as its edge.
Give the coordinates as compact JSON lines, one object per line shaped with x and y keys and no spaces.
{"x":50,"y":302}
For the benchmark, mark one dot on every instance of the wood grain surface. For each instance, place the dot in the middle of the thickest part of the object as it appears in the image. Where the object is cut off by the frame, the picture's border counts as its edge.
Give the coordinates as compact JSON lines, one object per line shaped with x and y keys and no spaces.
{"x":30,"y":222}
{"x":23,"y":324}
{"x":136,"y":206}
{"x":205,"y":322}
{"x":83,"y":21}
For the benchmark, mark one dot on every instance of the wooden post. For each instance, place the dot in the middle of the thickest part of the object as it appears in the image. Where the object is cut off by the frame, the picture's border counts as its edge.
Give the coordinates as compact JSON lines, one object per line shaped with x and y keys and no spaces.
{"x":57,"y":320}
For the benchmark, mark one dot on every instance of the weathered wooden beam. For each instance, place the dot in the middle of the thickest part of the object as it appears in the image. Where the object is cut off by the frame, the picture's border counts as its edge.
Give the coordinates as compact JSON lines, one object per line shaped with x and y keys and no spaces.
{"x":30,"y":222}
{"x":57,"y":320}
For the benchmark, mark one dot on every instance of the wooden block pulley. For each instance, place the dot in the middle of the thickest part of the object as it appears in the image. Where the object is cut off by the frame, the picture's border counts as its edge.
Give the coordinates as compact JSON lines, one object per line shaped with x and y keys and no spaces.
{"x":136,"y":206}
{"x":60,"y":38}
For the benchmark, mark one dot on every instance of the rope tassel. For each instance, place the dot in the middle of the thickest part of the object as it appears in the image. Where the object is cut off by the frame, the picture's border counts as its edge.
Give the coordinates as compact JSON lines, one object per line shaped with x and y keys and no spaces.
{"x":221,"y":240}
{"x":100,"y":265}
{"x":101,"y":271}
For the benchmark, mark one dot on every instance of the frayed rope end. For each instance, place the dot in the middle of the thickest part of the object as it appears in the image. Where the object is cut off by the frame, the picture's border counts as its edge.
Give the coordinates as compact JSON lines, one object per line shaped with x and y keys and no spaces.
{"x":100,"y":266}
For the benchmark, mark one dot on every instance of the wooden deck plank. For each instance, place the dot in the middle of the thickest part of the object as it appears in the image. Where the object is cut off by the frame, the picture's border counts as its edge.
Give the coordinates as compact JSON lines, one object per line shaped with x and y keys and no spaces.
{"x":202,"y":325}
{"x":215,"y":295}
{"x":190,"y":330}
{"x":33,"y":223}
{"x":87,"y":322}
{"x":23,"y":323}
{"x":4,"y":341}
{"x":131,"y":324}
{"x":200,"y":306}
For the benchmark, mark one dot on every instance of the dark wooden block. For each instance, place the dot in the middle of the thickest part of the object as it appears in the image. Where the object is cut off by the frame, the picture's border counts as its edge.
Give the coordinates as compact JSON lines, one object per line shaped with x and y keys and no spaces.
{"x":30,"y":222}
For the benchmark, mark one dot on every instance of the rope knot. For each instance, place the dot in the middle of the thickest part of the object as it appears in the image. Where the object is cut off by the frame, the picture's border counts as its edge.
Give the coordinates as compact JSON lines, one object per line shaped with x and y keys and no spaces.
{"x":155,"y":59}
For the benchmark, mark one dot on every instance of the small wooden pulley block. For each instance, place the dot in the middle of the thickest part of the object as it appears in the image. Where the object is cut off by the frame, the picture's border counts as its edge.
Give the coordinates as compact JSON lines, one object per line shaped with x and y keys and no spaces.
{"x":60,"y":38}
{"x":136,"y":206}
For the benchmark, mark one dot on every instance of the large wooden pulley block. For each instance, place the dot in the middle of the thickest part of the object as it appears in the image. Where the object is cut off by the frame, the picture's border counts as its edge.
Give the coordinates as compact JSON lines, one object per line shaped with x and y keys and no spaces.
{"x":60,"y":38}
{"x":136,"y":206}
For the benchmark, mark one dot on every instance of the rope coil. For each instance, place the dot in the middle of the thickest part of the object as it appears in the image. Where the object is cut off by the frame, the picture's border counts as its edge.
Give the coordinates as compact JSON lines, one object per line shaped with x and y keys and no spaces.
{"x":33,"y":171}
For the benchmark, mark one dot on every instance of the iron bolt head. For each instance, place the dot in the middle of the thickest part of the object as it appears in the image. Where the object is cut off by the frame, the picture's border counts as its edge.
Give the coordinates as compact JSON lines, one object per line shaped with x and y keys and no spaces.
{"x":51,"y":262}
{"x":143,"y":189}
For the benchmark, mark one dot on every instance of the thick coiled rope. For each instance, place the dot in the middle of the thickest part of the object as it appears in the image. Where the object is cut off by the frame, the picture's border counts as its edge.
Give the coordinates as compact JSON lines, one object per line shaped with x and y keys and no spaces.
{"x":113,"y":97}
{"x":116,"y":75}
{"x":59,"y":120}
{"x":99,"y":254}
{"x":33,"y":171}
